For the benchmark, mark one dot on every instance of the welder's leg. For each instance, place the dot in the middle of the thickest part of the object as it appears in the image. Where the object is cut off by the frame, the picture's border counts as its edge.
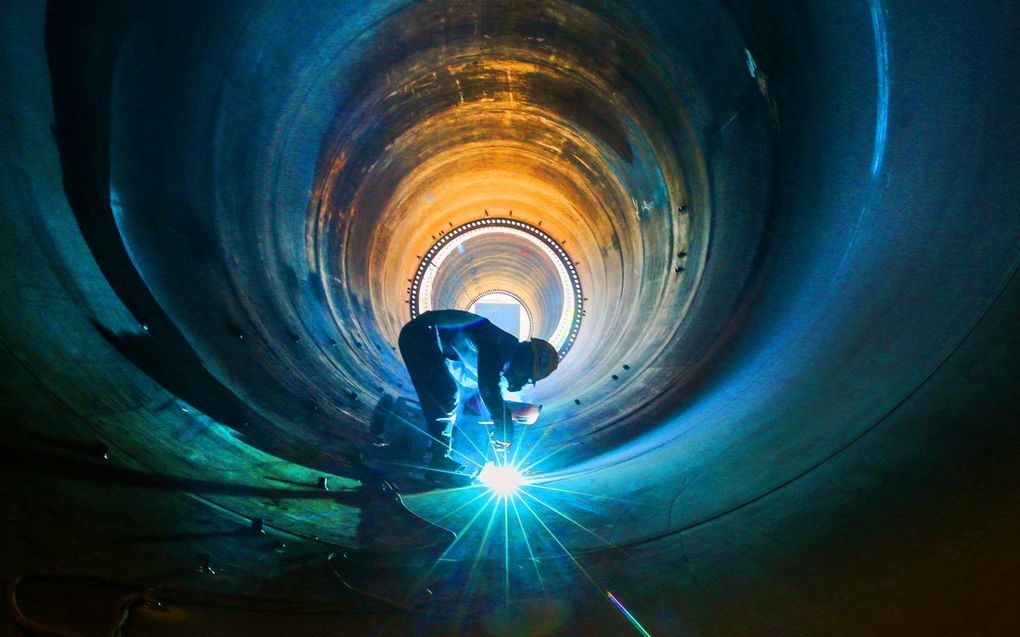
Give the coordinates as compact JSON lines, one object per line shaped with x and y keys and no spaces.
{"x":437,"y":392}
{"x":439,"y":405}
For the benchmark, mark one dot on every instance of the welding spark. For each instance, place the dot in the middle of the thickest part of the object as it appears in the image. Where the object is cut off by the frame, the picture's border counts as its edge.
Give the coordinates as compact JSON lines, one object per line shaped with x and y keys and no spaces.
{"x":504,"y":480}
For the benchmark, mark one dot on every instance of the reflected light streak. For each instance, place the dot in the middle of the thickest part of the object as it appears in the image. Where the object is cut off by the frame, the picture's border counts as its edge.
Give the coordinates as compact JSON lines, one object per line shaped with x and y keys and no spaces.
{"x":571,"y":520}
{"x":637,"y":625}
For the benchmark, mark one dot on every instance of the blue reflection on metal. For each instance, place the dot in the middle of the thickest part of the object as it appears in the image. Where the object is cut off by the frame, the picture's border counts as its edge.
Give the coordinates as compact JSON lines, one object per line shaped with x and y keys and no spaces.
{"x":882,"y":71}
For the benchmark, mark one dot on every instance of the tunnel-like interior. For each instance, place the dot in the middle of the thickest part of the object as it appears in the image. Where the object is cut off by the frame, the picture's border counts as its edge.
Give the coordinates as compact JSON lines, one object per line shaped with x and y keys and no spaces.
{"x":774,"y":243}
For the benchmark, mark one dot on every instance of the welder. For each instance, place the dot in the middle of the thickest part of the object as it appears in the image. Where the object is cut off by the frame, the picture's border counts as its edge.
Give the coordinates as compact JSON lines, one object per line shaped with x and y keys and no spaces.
{"x":479,"y":349}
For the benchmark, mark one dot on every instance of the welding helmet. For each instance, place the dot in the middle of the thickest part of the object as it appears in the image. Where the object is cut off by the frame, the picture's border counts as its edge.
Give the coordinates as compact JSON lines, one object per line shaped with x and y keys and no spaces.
{"x":544,"y":359}
{"x":533,"y":360}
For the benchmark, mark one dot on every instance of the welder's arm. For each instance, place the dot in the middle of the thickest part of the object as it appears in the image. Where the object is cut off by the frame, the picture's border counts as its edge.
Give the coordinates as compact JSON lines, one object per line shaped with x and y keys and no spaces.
{"x":492,"y":357}
{"x":492,"y":396}
{"x":490,"y":370}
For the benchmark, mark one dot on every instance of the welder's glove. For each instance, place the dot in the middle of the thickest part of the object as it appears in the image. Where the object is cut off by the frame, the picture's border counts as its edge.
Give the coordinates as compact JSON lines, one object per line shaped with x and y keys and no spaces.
{"x":499,"y":446}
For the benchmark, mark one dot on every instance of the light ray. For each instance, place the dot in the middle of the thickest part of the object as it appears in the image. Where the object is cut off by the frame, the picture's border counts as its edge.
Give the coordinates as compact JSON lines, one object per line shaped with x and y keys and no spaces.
{"x":561,"y":545}
{"x":537,"y":445}
{"x":627,"y":614}
{"x":538,"y":485}
{"x":534,"y":464}
{"x":434,"y":439}
{"x":571,"y":520}
{"x":520,"y":443}
{"x":481,"y":546}
{"x":448,"y":514}
{"x":454,"y":543}
{"x":464,"y":530}
{"x":527,"y":543}
{"x":427,"y":468}
{"x":471,"y":442}
{"x":534,"y":447}
{"x":506,"y":555}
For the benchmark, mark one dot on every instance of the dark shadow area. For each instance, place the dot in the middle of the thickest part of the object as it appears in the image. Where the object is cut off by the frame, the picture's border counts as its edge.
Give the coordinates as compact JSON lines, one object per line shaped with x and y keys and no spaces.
{"x":83,"y":40}
{"x":180,"y":372}
{"x":188,"y":537}
{"x":35,"y":461}
{"x":384,"y":521}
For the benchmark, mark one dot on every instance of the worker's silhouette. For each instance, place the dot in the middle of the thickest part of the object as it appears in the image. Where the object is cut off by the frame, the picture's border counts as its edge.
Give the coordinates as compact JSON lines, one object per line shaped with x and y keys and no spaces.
{"x":482,"y":350}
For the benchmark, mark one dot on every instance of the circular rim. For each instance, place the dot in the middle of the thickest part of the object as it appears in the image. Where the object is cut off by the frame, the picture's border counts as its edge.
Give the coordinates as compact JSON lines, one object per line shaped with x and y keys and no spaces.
{"x":571,"y":280}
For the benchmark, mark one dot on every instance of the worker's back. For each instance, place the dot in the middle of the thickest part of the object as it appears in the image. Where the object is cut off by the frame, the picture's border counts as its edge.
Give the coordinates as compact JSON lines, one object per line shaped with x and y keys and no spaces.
{"x":463,"y":335}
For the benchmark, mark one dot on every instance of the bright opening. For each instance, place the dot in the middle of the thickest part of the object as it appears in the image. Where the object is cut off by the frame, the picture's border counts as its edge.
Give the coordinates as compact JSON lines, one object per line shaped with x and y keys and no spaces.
{"x":505,"y":312}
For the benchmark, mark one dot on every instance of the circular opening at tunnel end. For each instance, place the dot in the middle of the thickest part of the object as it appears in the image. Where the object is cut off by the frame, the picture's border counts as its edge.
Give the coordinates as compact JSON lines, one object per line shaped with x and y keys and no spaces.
{"x":506,"y":310}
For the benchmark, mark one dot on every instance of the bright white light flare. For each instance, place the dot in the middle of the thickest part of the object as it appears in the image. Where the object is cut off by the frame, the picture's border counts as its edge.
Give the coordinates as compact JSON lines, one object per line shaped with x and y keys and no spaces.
{"x":504,"y":480}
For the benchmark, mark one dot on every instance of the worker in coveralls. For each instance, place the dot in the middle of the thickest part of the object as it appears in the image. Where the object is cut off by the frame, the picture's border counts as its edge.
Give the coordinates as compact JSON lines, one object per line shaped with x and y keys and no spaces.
{"x":479,"y":348}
